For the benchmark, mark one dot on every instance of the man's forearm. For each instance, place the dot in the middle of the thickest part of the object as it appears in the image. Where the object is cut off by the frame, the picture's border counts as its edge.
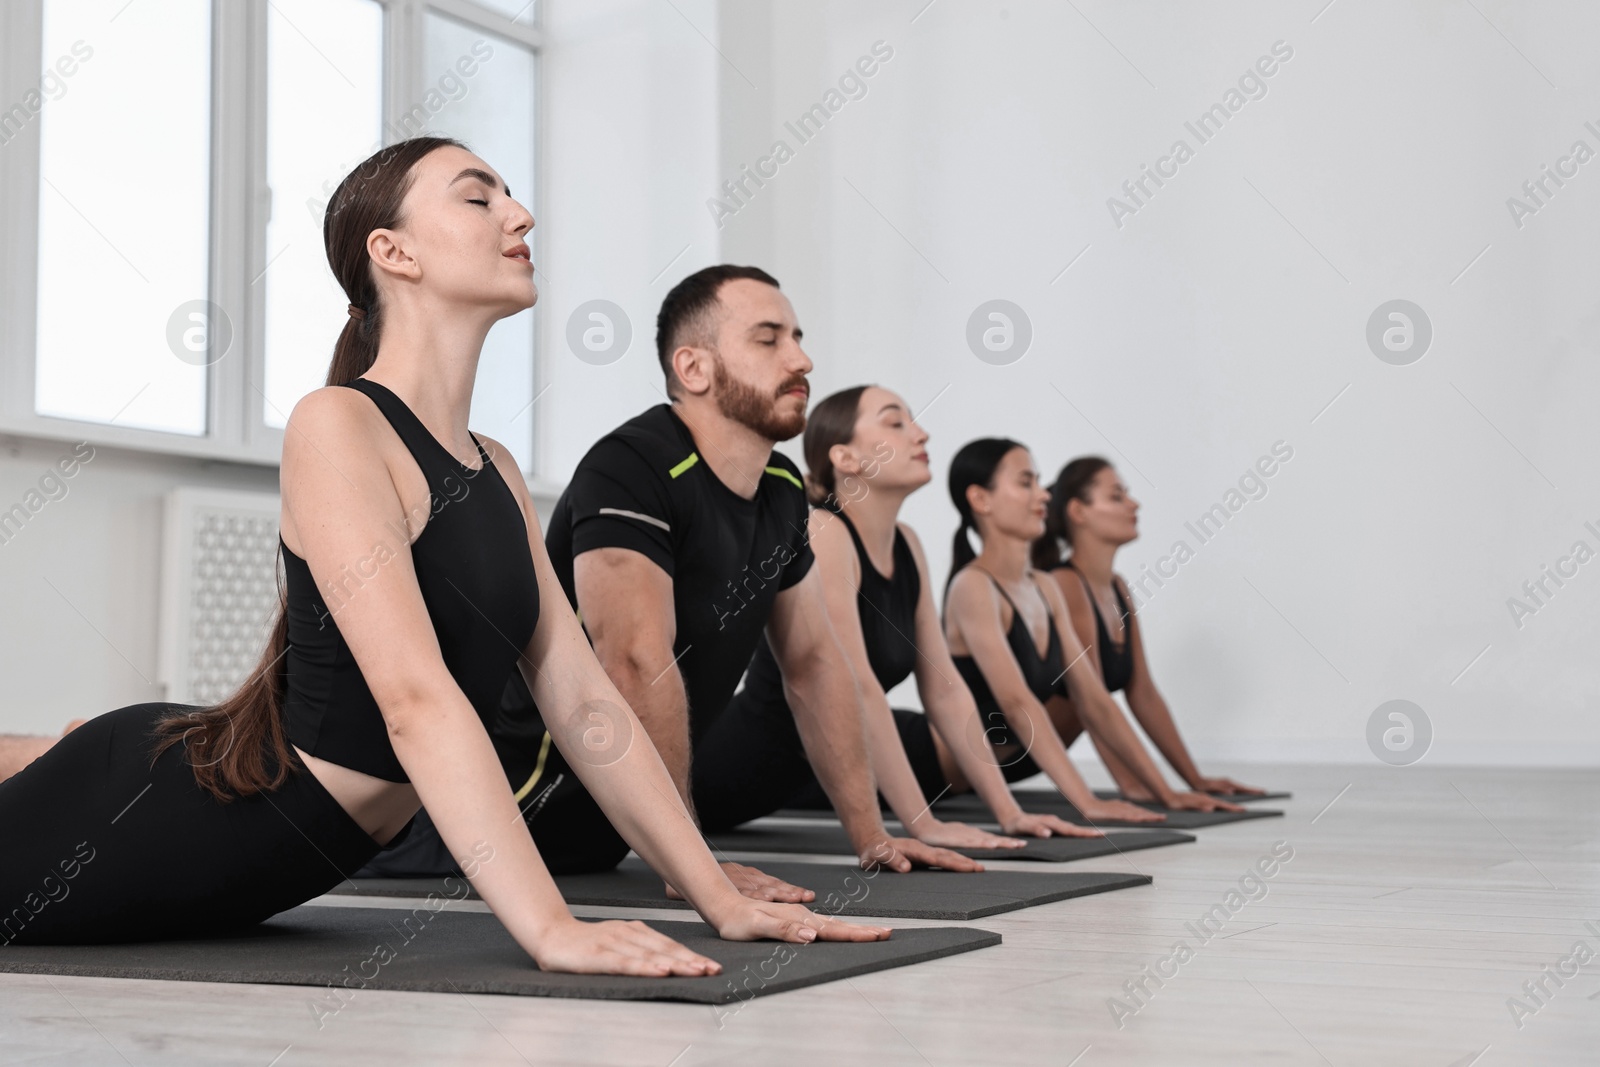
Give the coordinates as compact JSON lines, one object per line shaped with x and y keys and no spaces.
{"x":827,"y":712}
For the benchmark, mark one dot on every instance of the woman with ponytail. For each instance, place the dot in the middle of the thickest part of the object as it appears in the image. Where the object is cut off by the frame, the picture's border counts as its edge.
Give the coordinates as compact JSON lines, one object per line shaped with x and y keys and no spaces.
{"x":1014,"y":644}
{"x":1090,"y":515}
{"x":406,"y":603}
{"x":864,"y":456}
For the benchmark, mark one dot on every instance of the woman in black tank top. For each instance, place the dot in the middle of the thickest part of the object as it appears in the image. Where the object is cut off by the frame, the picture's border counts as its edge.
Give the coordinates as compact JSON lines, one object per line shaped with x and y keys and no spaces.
{"x":1090,"y":516}
{"x":1011,"y":637}
{"x":415,"y":572}
{"x":864,"y":456}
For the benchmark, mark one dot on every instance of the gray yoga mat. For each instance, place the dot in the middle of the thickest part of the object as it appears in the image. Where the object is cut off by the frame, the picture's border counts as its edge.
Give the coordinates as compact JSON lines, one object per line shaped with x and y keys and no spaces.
{"x":820,"y":837}
{"x":970,"y":807}
{"x":845,"y":891}
{"x":343,"y":951}
{"x":1231,"y":798}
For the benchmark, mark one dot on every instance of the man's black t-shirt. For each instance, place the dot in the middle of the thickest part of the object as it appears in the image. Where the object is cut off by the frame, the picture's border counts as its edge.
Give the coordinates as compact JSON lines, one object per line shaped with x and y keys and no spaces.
{"x":645,"y":487}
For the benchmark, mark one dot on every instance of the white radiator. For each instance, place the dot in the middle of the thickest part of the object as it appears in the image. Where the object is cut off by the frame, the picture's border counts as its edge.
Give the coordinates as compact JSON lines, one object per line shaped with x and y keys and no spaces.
{"x":219,"y":590}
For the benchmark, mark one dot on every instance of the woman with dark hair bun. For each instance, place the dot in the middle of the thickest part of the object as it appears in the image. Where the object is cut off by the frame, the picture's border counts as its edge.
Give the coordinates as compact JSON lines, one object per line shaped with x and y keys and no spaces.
{"x":864,"y":456}
{"x":406,"y":605}
{"x":1014,"y":644}
{"x":1090,"y":515}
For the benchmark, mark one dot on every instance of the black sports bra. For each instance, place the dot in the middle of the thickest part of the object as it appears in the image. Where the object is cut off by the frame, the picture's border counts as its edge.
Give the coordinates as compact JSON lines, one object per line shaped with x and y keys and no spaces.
{"x":475,"y":571}
{"x":1116,"y":663}
{"x":1045,"y":675}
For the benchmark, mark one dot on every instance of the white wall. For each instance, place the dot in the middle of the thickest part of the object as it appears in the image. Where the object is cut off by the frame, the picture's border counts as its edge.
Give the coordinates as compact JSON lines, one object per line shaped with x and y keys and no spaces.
{"x":1190,"y":340}
{"x":1226,"y":314}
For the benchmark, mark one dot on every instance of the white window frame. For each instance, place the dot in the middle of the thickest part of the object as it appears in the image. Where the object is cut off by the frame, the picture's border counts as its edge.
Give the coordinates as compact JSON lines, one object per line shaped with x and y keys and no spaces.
{"x":236,"y":430}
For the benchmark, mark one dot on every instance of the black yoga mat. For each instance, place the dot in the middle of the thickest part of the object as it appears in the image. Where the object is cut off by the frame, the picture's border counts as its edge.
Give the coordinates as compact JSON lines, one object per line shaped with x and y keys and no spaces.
{"x":841,"y":890}
{"x":343,"y":951}
{"x":829,"y":838}
{"x":969,"y":806}
{"x":1231,"y":798}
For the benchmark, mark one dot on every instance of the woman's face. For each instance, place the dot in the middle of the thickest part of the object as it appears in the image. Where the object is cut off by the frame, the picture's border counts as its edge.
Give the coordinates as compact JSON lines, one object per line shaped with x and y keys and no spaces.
{"x":463,"y":238}
{"x":1016,"y":503}
{"x":1111,"y":514}
{"x":888,"y":450}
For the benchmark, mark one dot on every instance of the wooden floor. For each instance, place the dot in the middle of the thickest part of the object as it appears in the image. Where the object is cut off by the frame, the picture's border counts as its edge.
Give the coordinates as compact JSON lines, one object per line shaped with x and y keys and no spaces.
{"x":1418,"y":900}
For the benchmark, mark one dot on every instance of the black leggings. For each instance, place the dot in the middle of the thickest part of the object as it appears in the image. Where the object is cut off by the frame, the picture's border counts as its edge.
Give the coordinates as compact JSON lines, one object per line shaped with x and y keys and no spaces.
{"x":98,"y":846}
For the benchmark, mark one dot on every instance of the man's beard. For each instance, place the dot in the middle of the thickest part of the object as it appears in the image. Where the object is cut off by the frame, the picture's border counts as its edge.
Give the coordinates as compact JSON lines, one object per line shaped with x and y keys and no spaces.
{"x":747,"y":406}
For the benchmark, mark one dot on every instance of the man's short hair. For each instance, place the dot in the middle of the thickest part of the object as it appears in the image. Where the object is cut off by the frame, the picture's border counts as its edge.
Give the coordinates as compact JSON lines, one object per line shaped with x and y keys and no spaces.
{"x":688,"y":315}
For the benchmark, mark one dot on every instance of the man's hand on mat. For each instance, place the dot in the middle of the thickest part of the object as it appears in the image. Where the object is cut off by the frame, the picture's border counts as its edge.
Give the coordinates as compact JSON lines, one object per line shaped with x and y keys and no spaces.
{"x":1199,"y":802}
{"x":1226,"y":785}
{"x":758,"y":921}
{"x":618,"y":946}
{"x":1031,"y":825}
{"x":931,"y":831}
{"x":1120,"y":810}
{"x":900,"y":854}
{"x":757,"y":886}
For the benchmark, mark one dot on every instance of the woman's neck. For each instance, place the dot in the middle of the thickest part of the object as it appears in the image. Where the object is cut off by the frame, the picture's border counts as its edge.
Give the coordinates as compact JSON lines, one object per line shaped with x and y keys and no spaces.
{"x":874,"y":517}
{"x":429,"y":358}
{"x":1004,"y":556}
{"x":1092,"y":558}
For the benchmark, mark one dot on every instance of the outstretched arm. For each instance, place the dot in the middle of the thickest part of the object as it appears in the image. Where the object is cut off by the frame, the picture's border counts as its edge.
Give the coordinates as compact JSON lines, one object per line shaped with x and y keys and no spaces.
{"x":1105,"y":721}
{"x":1151,"y":710}
{"x":822,"y":692}
{"x":841,"y":583}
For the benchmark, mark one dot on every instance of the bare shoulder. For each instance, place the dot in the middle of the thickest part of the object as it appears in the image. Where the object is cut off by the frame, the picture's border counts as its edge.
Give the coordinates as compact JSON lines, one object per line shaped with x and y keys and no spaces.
{"x":972,"y":594}
{"x":332,"y":422}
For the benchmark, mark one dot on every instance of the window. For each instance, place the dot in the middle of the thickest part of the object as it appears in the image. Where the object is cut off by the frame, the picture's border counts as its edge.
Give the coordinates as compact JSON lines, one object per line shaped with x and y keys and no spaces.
{"x":163,"y":172}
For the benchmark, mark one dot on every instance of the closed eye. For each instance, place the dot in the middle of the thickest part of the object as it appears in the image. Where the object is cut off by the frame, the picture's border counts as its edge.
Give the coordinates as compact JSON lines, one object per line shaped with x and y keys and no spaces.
{"x":485,"y":203}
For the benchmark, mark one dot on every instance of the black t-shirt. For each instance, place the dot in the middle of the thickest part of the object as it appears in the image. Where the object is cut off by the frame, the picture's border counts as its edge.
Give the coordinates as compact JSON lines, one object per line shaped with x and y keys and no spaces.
{"x":644,"y":487}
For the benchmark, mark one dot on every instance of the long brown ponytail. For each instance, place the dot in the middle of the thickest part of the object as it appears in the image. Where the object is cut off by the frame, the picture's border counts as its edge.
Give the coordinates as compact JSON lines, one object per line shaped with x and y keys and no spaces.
{"x":239,"y":747}
{"x":974,"y":463}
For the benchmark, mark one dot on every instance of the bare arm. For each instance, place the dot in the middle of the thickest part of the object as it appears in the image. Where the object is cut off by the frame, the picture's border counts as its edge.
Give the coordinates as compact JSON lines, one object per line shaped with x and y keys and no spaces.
{"x":841,"y":581}
{"x":973,"y":615}
{"x":822,"y":692}
{"x":627,"y":606}
{"x":1104,"y":720}
{"x":339,"y":513}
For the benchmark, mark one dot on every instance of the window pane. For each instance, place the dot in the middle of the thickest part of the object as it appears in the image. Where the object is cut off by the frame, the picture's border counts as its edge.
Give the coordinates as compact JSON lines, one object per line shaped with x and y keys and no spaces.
{"x":324,"y":116}
{"x":491,"y":109}
{"x":124,"y":197}
{"x":525,"y":12}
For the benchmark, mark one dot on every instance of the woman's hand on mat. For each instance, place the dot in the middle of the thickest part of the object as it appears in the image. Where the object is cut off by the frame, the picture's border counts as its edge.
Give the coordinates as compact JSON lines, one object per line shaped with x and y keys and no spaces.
{"x":757,"y":885}
{"x":1199,"y":802}
{"x":900,"y":854}
{"x":618,"y":946}
{"x":1226,"y":785}
{"x":1120,"y":810}
{"x":1028,"y":824}
{"x":931,"y":831}
{"x":757,"y":921}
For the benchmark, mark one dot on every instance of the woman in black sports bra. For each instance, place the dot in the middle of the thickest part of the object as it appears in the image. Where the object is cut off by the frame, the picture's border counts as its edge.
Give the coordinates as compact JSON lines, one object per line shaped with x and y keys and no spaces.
{"x":1090,"y":516}
{"x":864,"y":456}
{"x":998,"y":614}
{"x":415,"y":573}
